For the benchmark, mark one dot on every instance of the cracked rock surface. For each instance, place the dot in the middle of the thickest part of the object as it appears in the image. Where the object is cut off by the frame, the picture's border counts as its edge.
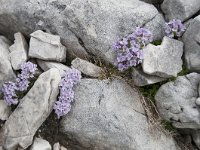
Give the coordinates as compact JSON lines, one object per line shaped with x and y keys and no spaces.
{"x":6,"y":71}
{"x":109,"y":115}
{"x":32,"y":111}
{"x":176,"y":101}
{"x":191,"y":39}
{"x":180,"y":9}
{"x":83,"y":25}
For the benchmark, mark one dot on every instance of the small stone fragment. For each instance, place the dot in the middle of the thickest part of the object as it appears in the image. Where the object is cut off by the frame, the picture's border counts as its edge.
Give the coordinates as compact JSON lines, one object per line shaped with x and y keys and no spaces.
{"x":180,"y":9}
{"x":63,"y":148}
{"x":56,"y":146}
{"x":142,"y":79}
{"x":163,"y":60}
{"x":46,"y":46}
{"x":86,"y":67}
{"x":40,"y":144}
{"x":5,"y":110}
{"x":46,"y":65}
{"x":18,"y":51}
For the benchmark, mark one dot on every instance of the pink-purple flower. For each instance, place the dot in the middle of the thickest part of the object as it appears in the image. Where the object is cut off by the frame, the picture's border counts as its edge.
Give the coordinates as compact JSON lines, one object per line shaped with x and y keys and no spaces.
{"x":174,"y":28}
{"x":70,"y":79}
{"x":130,"y":49}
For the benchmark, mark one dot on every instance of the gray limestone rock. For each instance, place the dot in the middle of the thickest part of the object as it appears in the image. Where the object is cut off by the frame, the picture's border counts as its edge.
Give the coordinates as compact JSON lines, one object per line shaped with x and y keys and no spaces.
{"x":83,"y":25}
{"x":46,"y":46}
{"x":176,"y":102}
{"x":107,"y":114}
{"x":40,"y":144}
{"x":32,"y":111}
{"x":18,"y":51}
{"x":180,"y":9}
{"x":86,"y":67}
{"x":163,"y":60}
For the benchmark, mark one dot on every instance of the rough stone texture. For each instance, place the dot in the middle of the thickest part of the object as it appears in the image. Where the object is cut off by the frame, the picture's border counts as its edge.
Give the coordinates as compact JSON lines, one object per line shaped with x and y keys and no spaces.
{"x":153,"y":1}
{"x":163,"y":60}
{"x":180,"y":9}
{"x":176,"y":101}
{"x":142,"y":79}
{"x":6,"y":72}
{"x":32,"y":111}
{"x":40,"y":144}
{"x":18,"y":51}
{"x":109,"y":115}
{"x":86,"y":67}
{"x":191,"y":39}
{"x":46,"y":46}
{"x":5,"y":110}
{"x":95,"y":24}
{"x":196,"y":137}
{"x":46,"y":65}
{"x":56,"y":146}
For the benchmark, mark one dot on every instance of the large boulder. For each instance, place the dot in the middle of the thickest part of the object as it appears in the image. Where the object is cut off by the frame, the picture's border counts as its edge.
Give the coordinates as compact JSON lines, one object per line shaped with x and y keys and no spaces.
{"x":83,"y":25}
{"x":177,"y":102}
{"x":32,"y":111}
{"x":6,"y":71}
{"x":191,"y":39}
{"x":163,"y":60}
{"x":107,"y":114}
{"x":180,"y":9}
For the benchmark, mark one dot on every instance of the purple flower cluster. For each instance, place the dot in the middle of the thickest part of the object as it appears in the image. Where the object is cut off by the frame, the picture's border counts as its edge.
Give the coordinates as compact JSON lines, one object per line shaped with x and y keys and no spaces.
{"x":130,"y":49}
{"x":174,"y":28}
{"x":9,"y":89}
{"x":28,"y":71}
{"x":70,"y":79}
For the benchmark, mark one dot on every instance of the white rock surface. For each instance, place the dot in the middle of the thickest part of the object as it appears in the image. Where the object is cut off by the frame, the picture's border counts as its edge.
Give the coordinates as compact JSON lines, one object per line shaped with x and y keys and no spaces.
{"x":180,"y":9}
{"x":5,"y":110}
{"x":109,"y":115}
{"x":56,"y":146}
{"x":46,"y":65}
{"x":191,"y":39}
{"x":176,"y":102}
{"x":18,"y":51}
{"x":46,"y":46}
{"x":86,"y":67}
{"x":6,"y":72}
{"x":83,"y":25}
{"x":142,"y":79}
{"x":40,"y":144}
{"x":163,"y":60}
{"x":32,"y":111}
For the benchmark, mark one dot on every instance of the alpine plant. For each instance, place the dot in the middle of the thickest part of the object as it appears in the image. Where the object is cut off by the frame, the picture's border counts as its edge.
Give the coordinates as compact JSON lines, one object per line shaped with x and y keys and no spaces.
{"x":130,"y":49}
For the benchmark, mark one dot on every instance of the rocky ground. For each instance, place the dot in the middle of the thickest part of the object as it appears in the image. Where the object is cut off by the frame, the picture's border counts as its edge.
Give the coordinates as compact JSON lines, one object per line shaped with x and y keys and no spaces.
{"x":153,"y":106}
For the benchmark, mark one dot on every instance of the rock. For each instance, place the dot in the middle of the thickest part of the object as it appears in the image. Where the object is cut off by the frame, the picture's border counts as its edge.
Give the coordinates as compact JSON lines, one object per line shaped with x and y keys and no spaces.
{"x":180,"y":9}
{"x":6,"y":72}
{"x":63,"y":148}
{"x":32,"y":111}
{"x":196,"y":137}
{"x":80,"y":27}
{"x":163,"y":60}
{"x":176,"y":102}
{"x":18,"y":51}
{"x":142,"y":79}
{"x":107,"y":114}
{"x":56,"y":146}
{"x":191,"y":39}
{"x":46,"y":47}
{"x":86,"y":67}
{"x":153,"y":1}
{"x":40,"y":144}
{"x":46,"y":65}
{"x":5,"y":110}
